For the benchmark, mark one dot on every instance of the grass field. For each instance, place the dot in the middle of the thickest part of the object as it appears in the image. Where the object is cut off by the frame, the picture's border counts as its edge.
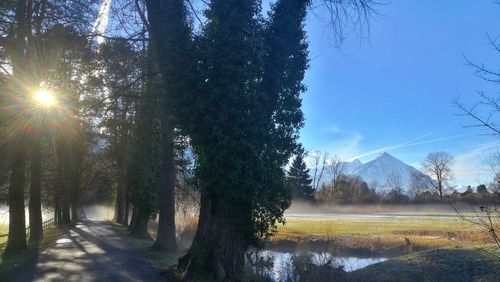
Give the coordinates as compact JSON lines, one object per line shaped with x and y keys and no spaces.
{"x":4,"y":229}
{"x":380,"y":232}
{"x":449,"y":264}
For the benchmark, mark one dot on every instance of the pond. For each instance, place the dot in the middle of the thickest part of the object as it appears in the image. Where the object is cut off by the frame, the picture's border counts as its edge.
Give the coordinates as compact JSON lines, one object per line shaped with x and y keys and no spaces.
{"x":282,"y":266}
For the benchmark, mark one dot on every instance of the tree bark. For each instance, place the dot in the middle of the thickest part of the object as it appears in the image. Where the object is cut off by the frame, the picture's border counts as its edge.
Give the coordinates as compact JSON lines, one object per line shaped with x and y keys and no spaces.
{"x":17,"y":223}
{"x":218,"y":249}
{"x":127,"y":209}
{"x":75,"y":192}
{"x":133,"y":220}
{"x":75,"y":216}
{"x":165,"y":236}
{"x":35,"y":204}
{"x":140,"y":227}
{"x":65,"y":209}
{"x":57,"y":209}
{"x":120,"y":194}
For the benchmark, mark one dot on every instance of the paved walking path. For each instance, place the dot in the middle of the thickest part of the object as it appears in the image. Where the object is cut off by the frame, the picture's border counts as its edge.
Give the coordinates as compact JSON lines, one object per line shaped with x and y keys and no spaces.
{"x":90,"y":251}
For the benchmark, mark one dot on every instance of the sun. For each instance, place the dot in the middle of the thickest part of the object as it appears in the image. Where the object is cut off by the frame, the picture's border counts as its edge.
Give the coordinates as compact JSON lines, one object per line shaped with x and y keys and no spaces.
{"x":45,"y":97}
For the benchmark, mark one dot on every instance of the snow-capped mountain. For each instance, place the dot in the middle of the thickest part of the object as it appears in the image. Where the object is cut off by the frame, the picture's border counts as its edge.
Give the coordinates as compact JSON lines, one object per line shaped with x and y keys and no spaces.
{"x":349,"y":167}
{"x":385,"y":170}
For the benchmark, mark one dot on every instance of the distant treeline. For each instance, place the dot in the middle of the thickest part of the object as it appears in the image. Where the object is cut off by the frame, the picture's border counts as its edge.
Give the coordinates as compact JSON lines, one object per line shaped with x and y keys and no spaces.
{"x":353,"y":190}
{"x":343,"y":188}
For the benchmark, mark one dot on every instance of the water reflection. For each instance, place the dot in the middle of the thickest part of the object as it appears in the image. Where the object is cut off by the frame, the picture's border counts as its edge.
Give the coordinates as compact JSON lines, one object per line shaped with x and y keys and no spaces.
{"x":283,"y":266}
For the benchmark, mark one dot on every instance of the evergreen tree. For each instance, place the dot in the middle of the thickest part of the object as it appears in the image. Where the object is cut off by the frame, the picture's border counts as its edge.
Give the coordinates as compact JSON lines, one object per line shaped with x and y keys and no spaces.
{"x":481,"y":189}
{"x":299,"y":179}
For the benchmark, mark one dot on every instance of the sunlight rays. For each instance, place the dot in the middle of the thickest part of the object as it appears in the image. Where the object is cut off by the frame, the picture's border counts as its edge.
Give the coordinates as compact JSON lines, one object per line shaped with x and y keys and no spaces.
{"x":44,"y":98}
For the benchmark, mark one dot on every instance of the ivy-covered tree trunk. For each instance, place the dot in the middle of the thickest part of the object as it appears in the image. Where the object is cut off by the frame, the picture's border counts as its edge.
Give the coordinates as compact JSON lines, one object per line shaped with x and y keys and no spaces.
{"x":35,"y":203}
{"x":243,"y":131}
{"x":218,"y":248}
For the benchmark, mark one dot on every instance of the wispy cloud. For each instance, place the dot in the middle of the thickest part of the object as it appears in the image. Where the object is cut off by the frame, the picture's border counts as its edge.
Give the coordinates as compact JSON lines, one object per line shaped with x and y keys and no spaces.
{"x":346,"y":145}
{"x":410,"y":143}
{"x":332,"y":129}
{"x":337,"y":141}
{"x":101,"y":22}
{"x":469,"y":168}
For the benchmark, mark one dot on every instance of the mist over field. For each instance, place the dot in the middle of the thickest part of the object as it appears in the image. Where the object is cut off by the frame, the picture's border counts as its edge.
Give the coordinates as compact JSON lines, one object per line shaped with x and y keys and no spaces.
{"x":311,"y":208}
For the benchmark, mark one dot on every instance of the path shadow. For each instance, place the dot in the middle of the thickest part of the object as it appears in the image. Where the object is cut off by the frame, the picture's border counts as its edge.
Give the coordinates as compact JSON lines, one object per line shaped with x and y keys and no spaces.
{"x":90,"y":251}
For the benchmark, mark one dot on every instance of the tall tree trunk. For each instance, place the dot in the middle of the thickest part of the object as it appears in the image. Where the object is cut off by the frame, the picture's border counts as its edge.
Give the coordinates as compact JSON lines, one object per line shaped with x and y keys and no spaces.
{"x":120,"y":194}
{"x":64,"y":192}
{"x":35,"y":204}
{"x":133,"y":219}
{"x":165,"y":236}
{"x":218,"y":248}
{"x":65,"y":209}
{"x":57,"y":209}
{"x":140,"y":227}
{"x":75,"y":191}
{"x":17,"y":223}
{"x":127,"y":209}
{"x":75,"y":216}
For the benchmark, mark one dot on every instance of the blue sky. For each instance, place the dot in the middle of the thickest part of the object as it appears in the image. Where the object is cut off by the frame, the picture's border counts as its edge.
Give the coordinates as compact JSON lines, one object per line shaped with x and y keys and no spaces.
{"x":397,"y":87}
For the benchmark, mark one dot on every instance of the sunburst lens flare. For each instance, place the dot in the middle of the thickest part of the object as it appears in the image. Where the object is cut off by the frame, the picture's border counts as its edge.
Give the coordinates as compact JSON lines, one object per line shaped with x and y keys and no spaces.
{"x":45,"y":98}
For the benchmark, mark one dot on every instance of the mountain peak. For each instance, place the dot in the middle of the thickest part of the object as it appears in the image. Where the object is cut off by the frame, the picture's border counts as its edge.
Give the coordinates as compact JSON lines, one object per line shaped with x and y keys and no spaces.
{"x":385,"y":155}
{"x":383,"y":168}
{"x":357,"y":162}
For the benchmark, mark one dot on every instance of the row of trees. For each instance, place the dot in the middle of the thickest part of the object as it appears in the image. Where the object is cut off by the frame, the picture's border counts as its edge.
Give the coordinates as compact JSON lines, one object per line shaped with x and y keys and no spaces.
{"x":98,"y":141}
{"x":38,"y":51}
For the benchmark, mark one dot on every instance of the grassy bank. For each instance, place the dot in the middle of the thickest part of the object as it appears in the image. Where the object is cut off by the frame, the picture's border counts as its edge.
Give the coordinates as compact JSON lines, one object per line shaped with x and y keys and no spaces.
{"x":449,"y":264}
{"x":379,"y":233}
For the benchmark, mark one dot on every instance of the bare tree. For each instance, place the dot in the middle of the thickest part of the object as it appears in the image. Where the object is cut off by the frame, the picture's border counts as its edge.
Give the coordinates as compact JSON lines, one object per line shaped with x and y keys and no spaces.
{"x":417,"y":183}
{"x":319,"y":162}
{"x":336,"y":170}
{"x":438,"y":166}
{"x":492,"y":162}
{"x":484,"y":113}
{"x":374,"y":185}
{"x":486,"y":217}
{"x":487,"y":214}
{"x":395,"y":182}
